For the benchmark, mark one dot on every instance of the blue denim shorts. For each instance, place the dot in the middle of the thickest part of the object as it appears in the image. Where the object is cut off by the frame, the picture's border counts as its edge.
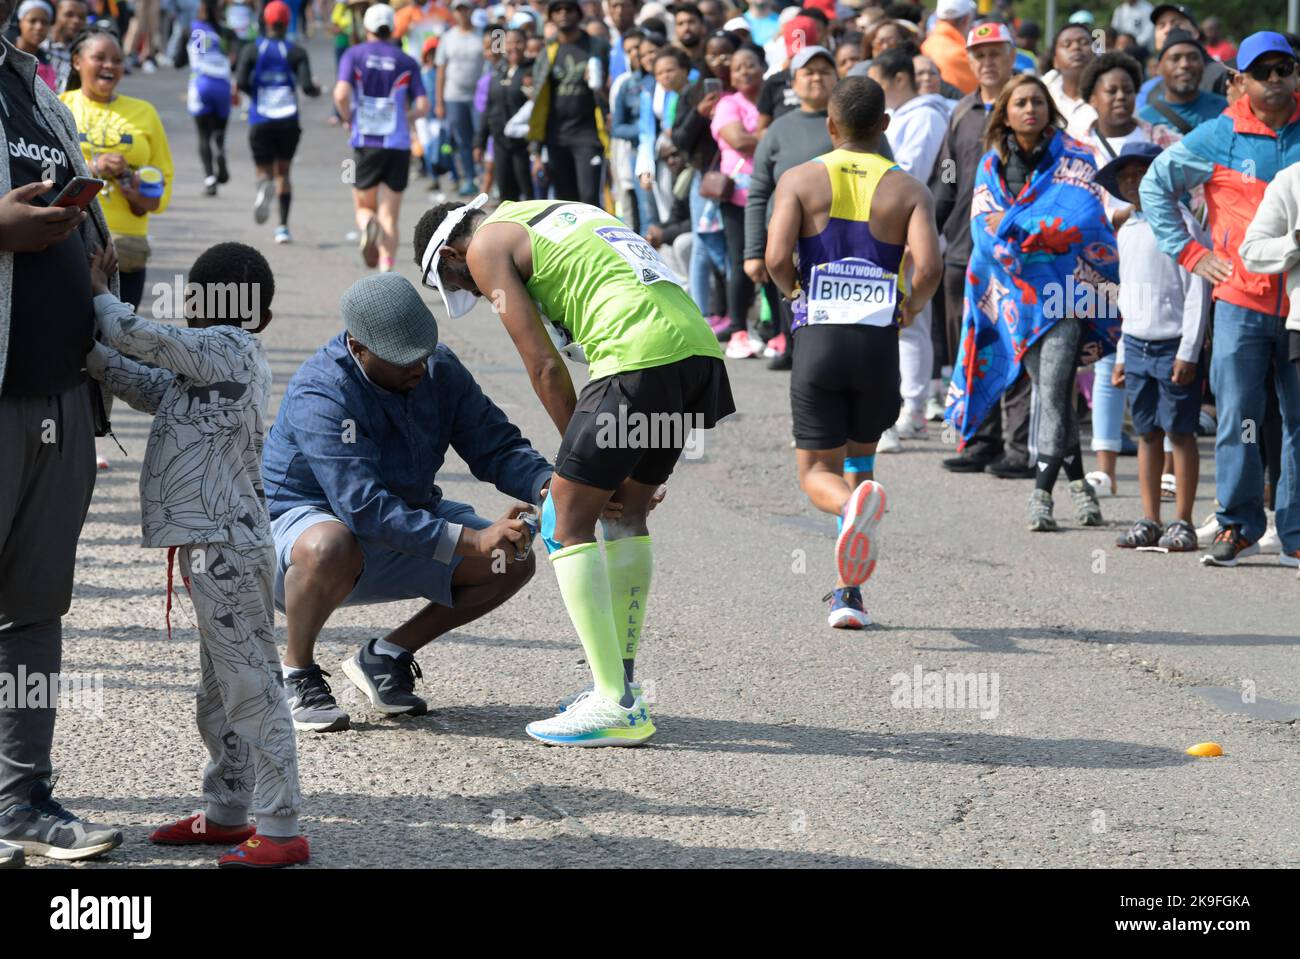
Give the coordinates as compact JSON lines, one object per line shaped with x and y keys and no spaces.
{"x":387,"y":575}
{"x":1153,"y":399}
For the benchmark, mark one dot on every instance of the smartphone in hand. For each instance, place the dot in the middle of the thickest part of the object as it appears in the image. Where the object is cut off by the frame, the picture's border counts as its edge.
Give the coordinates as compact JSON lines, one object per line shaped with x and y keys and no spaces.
{"x":712,"y":85}
{"x":79,"y":192}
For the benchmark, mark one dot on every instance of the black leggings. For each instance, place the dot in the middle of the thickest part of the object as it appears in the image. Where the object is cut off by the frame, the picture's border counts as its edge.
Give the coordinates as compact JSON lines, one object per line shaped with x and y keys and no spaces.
{"x":131,"y":286}
{"x":212,"y":133}
{"x":573,"y":174}
{"x":514,"y":176}
{"x":740,"y":288}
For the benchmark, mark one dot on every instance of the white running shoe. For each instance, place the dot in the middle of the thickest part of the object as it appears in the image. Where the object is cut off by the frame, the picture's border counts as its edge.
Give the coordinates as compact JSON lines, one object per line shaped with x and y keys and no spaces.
{"x":1100,"y":483}
{"x":889,"y":442}
{"x":593,"y":720}
{"x":911,"y":426}
{"x":262,"y":205}
{"x":1206,"y":532}
{"x":282,"y":235}
{"x":934,"y":409}
{"x":566,"y":703}
{"x":855,"y":548}
{"x":1271,"y":543}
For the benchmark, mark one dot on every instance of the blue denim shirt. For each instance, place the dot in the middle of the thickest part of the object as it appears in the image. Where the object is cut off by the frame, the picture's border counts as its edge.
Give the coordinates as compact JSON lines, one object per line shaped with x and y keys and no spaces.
{"x":371,"y":457}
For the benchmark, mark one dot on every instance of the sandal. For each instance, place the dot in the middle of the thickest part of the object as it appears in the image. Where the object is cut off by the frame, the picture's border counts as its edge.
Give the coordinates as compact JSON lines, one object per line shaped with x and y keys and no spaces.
{"x":1144,"y":532}
{"x":1168,"y":486}
{"x":1179,"y":537}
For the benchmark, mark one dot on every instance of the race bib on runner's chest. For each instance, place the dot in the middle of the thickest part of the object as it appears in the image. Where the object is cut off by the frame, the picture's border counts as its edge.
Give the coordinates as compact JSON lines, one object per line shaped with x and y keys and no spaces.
{"x":376,"y":116}
{"x":639,"y":254}
{"x":852,"y":292}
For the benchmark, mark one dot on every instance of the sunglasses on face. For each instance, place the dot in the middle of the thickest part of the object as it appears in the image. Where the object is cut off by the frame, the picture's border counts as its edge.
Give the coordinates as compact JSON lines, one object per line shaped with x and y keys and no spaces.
{"x":1262,"y":72}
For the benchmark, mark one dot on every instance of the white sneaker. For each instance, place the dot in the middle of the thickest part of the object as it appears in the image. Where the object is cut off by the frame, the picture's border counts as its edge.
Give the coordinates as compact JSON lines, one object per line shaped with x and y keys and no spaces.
{"x":1100,"y":483}
{"x":911,"y":426}
{"x":1206,"y":532}
{"x":282,"y":235}
{"x":566,"y":703}
{"x":1271,"y":543}
{"x":593,"y":720}
{"x":889,"y":442}
{"x":1287,"y":559}
{"x":934,"y":409}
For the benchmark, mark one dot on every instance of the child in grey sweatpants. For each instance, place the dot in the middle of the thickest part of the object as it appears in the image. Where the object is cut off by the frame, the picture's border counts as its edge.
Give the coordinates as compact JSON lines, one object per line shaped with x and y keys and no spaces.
{"x":208,"y":386}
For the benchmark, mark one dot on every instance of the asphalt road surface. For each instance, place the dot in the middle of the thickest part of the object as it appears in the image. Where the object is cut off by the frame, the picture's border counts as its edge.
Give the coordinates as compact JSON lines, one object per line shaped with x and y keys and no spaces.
{"x":782,"y":742}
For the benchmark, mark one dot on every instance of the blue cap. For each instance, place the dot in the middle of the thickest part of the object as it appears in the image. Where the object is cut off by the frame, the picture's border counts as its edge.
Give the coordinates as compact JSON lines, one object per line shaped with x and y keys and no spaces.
{"x":1108,"y":176}
{"x":1258,"y":44}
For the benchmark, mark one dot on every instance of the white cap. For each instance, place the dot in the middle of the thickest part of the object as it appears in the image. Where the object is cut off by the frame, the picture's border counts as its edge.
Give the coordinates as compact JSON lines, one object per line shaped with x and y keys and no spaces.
{"x":377,"y":17}
{"x":736,"y":23}
{"x":954,"y":9}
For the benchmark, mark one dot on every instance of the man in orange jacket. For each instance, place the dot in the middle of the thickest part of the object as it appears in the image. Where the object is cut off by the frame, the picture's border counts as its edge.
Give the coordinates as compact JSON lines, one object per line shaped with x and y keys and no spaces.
{"x":946,"y":44}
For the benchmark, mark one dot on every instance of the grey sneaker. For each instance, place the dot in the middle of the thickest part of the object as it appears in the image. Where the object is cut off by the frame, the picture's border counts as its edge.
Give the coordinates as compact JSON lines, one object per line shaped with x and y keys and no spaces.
{"x":387,"y":681}
{"x":42,"y":827}
{"x":312,"y":703}
{"x":262,"y":205}
{"x":1040,"y":512}
{"x":11,"y":856}
{"x":1086,"y":507}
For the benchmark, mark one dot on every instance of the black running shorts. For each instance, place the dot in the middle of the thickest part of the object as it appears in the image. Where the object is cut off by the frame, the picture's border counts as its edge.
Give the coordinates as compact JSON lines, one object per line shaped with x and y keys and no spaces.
{"x":274,"y":140}
{"x":636,"y":424}
{"x":844,"y":385}
{"x":376,"y":165}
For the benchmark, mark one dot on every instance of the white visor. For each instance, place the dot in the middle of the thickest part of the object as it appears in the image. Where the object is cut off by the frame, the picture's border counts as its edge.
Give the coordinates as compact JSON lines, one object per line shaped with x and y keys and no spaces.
{"x":429,"y":262}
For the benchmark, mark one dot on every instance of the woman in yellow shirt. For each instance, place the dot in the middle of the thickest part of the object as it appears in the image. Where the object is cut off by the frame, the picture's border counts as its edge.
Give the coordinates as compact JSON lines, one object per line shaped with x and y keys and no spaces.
{"x":123,"y":142}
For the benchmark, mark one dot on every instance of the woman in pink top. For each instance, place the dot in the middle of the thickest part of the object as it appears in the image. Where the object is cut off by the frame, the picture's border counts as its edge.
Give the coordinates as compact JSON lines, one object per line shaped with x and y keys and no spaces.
{"x":735,"y":127}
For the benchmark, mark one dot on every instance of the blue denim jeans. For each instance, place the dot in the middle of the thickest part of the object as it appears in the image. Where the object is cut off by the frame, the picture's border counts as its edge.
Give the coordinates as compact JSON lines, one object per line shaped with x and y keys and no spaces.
{"x":1107,"y":407}
{"x":1244,"y":343}
{"x":708,"y":253}
{"x":461,"y":117}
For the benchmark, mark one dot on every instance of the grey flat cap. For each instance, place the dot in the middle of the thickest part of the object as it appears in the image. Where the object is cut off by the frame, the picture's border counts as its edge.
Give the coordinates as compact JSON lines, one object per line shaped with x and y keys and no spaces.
{"x":386,"y":315}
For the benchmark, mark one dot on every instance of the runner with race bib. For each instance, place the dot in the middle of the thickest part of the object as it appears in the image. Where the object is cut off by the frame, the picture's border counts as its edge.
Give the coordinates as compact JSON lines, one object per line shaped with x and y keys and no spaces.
{"x":378,"y":96}
{"x":269,"y":72}
{"x":209,"y":90}
{"x":570,"y":278}
{"x":849,"y":214}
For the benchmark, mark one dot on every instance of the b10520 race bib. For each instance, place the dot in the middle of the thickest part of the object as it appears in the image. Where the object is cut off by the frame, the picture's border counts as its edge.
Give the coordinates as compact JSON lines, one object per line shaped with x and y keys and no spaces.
{"x":852,"y":292}
{"x":644,"y":259}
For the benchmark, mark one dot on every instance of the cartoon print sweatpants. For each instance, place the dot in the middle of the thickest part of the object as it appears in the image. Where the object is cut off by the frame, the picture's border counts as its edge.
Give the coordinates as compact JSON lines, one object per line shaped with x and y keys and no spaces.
{"x":242,"y":713}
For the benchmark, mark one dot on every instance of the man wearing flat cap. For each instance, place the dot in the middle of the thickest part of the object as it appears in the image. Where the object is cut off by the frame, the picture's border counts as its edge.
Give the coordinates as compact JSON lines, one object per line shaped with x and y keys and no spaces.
{"x":350,"y":469}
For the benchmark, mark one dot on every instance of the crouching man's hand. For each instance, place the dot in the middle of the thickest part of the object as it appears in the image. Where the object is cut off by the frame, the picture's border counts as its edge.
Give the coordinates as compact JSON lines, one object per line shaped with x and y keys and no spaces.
{"x":507,"y":534}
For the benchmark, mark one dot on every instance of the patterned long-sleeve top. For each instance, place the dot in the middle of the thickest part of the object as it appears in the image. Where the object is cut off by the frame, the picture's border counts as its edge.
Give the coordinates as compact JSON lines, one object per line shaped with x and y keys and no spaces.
{"x":209,"y":390}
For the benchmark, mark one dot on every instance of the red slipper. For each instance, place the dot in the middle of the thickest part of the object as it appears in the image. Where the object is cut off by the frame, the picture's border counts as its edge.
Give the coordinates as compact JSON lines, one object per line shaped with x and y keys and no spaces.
{"x":258,"y":852}
{"x":197,"y":830}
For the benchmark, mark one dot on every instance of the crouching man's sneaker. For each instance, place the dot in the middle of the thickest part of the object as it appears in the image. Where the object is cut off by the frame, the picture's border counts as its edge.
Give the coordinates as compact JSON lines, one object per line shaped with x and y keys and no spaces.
{"x":198,"y":830}
{"x":593,"y":720}
{"x":41,"y":827}
{"x":387,"y":681}
{"x":11,"y":857}
{"x":311,"y":701}
{"x":259,"y":852}
{"x":1229,"y":546}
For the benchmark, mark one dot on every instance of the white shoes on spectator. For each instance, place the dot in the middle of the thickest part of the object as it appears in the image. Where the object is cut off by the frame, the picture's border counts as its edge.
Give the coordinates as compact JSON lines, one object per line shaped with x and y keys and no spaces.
{"x":1101,"y":484}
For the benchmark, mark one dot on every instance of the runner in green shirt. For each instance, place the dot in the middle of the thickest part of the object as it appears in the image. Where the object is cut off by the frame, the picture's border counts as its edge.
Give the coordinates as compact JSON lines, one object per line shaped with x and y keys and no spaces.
{"x":570,"y":278}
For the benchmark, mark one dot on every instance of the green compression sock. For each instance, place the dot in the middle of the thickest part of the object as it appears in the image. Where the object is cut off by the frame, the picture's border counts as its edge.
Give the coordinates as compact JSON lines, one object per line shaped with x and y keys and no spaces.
{"x":629,"y":562}
{"x":584,"y":586}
